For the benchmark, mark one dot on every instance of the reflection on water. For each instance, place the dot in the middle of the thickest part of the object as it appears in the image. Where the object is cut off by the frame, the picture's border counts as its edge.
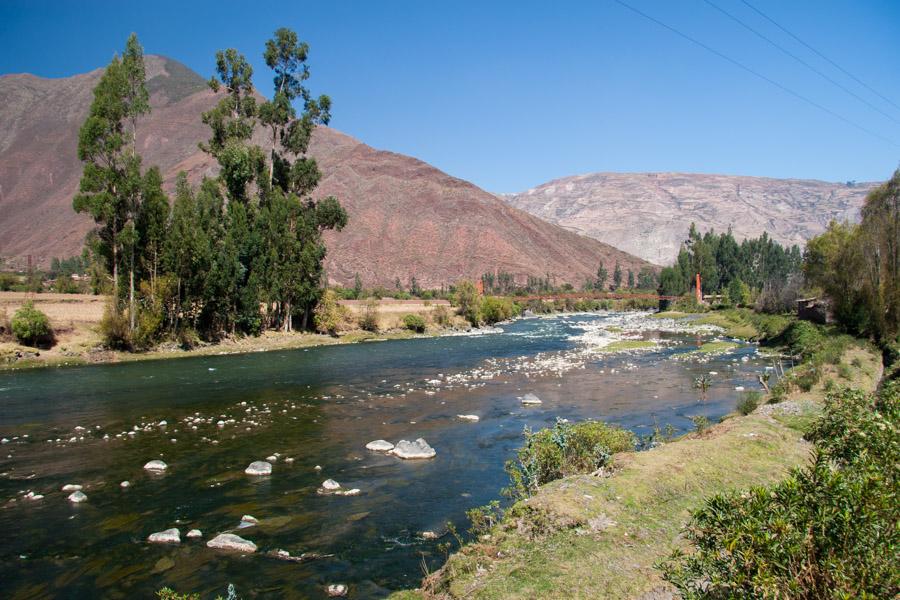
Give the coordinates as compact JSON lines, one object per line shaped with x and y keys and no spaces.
{"x":319,"y":407}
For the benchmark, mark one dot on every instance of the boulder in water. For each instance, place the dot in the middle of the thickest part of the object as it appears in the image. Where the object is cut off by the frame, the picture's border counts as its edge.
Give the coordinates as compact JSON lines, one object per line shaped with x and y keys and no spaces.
{"x":72,"y":487}
{"x":259,"y":467}
{"x":413,"y":450}
{"x":169,"y":536}
{"x":248,"y":521}
{"x":530,"y":398}
{"x":77,"y":497}
{"x":380,"y":446}
{"x":473,"y":418}
{"x":336,"y":590}
{"x":194,"y":533}
{"x":156,"y":466}
{"x":231,"y":542}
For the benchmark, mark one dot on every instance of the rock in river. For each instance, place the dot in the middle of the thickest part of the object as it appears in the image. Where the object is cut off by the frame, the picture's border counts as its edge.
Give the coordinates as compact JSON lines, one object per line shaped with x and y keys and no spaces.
{"x":72,"y":487}
{"x":380,"y":446}
{"x":473,"y":418}
{"x":330,"y":485}
{"x":77,"y":496}
{"x":229,"y":541}
{"x":411,"y":450}
{"x":194,"y":533}
{"x":156,"y":466}
{"x":530,"y":399}
{"x":169,"y":536}
{"x":336,"y":590}
{"x":259,"y":467}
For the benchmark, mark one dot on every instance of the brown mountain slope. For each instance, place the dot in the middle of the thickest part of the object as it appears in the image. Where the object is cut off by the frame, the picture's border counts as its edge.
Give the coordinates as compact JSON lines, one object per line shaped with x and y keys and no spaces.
{"x":648,"y":214}
{"x":406,"y":217}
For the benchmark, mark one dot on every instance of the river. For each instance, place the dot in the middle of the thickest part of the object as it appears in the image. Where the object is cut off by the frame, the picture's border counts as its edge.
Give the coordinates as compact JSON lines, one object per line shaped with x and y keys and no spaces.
{"x":318,"y":406}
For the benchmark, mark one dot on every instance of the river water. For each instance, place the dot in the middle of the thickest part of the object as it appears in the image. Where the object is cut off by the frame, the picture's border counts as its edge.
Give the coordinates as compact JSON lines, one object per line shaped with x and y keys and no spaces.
{"x":319,"y":406}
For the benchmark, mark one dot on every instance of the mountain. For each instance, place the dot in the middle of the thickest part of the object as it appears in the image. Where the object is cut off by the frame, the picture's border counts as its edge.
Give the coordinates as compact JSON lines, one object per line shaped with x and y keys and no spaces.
{"x":406,"y":217}
{"x":648,"y":214}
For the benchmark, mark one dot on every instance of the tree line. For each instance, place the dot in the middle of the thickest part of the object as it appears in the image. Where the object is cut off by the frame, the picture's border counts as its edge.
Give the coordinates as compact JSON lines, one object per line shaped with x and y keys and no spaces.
{"x":239,"y":253}
{"x":753,"y":267}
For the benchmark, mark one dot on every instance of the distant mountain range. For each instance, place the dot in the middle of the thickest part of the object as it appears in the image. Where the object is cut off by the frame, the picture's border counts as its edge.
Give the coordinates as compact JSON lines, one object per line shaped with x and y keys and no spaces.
{"x":406,"y":217}
{"x":648,"y":214}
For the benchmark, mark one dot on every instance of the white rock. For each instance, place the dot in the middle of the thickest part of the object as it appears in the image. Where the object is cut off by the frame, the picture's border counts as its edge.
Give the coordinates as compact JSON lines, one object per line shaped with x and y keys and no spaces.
{"x":413,"y":450}
{"x":163,"y":423}
{"x":194,"y":533}
{"x":530,"y":399}
{"x":429,"y":535}
{"x":380,"y":446}
{"x":169,"y":536}
{"x":125,"y":484}
{"x":221,"y":424}
{"x":330,"y":485}
{"x":4,"y":441}
{"x":272,"y":458}
{"x":739,"y":388}
{"x":259,"y":467}
{"x":317,"y":468}
{"x":353,"y":492}
{"x":77,"y":497}
{"x":229,"y":541}
{"x":72,"y":487}
{"x":157,"y":466}
{"x":336,"y":590}
{"x":248,"y":521}
{"x":473,"y":418}
{"x":289,"y":460}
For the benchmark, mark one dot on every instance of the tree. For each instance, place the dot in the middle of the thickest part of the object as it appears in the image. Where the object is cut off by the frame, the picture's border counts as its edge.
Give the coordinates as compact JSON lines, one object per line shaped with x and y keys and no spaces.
{"x":617,"y":276}
{"x":630,"y":278}
{"x":602,"y":276}
{"x":467,"y":301}
{"x":357,"y":287}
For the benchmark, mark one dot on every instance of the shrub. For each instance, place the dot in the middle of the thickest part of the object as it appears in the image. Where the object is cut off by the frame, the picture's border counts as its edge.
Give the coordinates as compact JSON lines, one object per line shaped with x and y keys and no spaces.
{"x":701,"y":423}
{"x":468,"y":302}
{"x":441,"y":316}
{"x":748,"y":402}
{"x":8,"y":281}
{"x":368,"y":321}
{"x":414,"y":323}
{"x":827,"y":531}
{"x":6,"y":333}
{"x":330,"y":316}
{"x":562,"y":450}
{"x":495,"y":309}
{"x":30,"y":326}
{"x":803,"y":338}
{"x":114,"y":328}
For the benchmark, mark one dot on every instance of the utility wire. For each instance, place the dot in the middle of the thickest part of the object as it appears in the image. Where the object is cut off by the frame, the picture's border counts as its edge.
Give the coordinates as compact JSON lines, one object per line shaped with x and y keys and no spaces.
{"x":757,"y":74}
{"x":800,"y":60}
{"x":822,"y":56}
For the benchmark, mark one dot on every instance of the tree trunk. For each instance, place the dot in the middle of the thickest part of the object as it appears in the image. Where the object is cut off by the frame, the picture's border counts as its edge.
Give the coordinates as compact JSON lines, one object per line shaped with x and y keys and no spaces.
{"x":131,"y":291}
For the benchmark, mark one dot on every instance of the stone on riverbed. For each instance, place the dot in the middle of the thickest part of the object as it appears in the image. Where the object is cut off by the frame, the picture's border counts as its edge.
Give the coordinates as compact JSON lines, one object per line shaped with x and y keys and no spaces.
{"x":169,"y":536}
{"x":156,"y":466}
{"x":72,"y":487}
{"x":473,"y":418}
{"x":259,"y":467}
{"x":248,"y":521}
{"x":413,"y":450}
{"x":194,"y":533}
{"x":77,"y":496}
{"x":234,"y":543}
{"x":380,"y":446}
{"x":530,"y":399}
{"x":336,"y":590}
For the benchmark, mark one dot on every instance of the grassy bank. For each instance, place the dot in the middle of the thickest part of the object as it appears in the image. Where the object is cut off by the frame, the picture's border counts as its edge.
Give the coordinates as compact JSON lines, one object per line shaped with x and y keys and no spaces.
{"x":588,"y":536}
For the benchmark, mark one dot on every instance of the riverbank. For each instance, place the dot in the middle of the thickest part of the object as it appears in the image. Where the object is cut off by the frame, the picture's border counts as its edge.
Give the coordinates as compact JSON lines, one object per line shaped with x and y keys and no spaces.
{"x":75,"y":319}
{"x":600,"y":536}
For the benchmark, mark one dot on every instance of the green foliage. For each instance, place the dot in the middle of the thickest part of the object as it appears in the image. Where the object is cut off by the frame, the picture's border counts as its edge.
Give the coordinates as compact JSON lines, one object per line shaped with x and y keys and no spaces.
{"x":114,"y":329}
{"x":495,"y":309}
{"x":701,"y":423}
{"x":170,"y":594}
{"x":562,"y":450}
{"x":330,"y":316}
{"x":748,"y":402}
{"x":31,"y":326}
{"x":441,"y":316}
{"x":414,"y":323}
{"x":484,"y":518}
{"x":8,"y":281}
{"x":827,"y":531}
{"x":858,"y":266}
{"x":468,"y":302}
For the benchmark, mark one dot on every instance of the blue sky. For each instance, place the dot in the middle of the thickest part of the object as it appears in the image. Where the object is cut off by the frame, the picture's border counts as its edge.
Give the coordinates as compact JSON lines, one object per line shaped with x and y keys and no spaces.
{"x":509,"y":95}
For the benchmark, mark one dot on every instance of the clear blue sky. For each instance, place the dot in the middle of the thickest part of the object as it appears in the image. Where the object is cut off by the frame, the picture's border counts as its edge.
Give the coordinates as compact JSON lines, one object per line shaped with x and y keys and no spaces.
{"x":509,"y":95}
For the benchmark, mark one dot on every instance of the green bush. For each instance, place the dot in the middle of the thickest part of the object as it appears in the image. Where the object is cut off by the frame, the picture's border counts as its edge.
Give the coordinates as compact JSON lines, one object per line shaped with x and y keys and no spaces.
{"x":441,"y":315}
{"x":368,"y":321}
{"x":8,"y":281}
{"x":31,"y":327}
{"x":495,"y":309}
{"x":562,"y":450}
{"x":827,"y":531}
{"x":748,"y":402}
{"x":114,"y":329}
{"x":414,"y":323}
{"x":329,"y":316}
{"x":803,"y":338}
{"x":701,"y":423}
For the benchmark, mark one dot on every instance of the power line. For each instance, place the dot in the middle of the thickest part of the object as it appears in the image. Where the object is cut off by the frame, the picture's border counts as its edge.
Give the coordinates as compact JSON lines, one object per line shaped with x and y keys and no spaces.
{"x":822,"y":56}
{"x":756,"y":73}
{"x":800,"y":60}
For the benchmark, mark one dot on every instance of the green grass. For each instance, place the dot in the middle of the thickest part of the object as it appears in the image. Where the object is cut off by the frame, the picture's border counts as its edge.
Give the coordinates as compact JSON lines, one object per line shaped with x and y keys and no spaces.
{"x":593,"y":537}
{"x":716,"y":347}
{"x":623,"y":345}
